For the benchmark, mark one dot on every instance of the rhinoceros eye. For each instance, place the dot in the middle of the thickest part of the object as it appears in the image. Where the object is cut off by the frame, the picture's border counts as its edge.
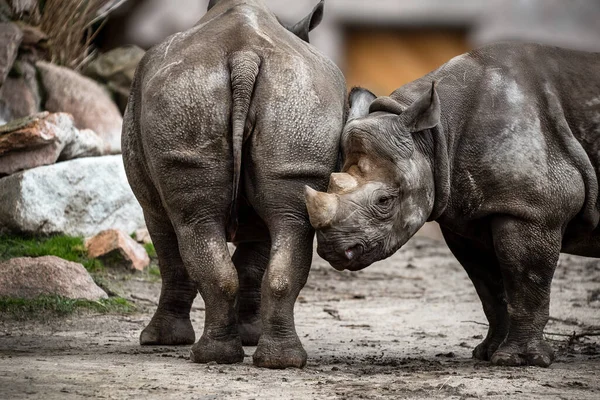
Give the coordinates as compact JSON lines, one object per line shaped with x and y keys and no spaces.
{"x":385,"y":201}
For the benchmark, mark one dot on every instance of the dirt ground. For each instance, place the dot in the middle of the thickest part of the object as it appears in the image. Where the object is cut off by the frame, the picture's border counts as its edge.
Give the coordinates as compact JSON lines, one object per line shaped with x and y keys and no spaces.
{"x":403,"y":329}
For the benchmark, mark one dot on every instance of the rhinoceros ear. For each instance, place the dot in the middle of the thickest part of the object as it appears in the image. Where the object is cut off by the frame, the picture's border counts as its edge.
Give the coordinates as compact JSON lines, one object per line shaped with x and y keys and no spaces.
{"x":423,"y":113}
{"x":310,"y":22}
{"x":387,"y":104}
{"x":211,"y":4}
{"x":359,"y":101}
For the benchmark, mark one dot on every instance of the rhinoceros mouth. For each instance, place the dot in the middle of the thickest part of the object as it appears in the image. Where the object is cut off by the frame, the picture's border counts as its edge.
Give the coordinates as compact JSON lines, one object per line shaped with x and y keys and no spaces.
{"x":354,"y":258}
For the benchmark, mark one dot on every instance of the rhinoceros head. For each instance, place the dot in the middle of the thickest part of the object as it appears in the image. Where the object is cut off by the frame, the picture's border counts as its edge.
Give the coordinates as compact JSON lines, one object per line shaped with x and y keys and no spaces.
{"x":300,"y":29}
{"x":386,"y":192}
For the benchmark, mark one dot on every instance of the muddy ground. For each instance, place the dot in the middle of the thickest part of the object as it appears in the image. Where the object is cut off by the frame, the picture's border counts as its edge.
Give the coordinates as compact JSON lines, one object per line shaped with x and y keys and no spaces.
{"x":403,"y":328}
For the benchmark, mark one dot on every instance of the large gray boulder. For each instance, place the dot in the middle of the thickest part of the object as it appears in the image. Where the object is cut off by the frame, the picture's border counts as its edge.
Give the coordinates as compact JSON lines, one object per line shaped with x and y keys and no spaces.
{"x":77,"y":198}
{"x":28,"y":278}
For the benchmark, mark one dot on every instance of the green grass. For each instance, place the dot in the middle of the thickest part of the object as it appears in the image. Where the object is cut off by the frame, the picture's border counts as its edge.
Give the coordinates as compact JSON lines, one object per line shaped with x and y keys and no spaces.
{"x":150,"y":250}
{"x":154,"y":271}
{"x":65,"y":247}
{"x":59,"y":306}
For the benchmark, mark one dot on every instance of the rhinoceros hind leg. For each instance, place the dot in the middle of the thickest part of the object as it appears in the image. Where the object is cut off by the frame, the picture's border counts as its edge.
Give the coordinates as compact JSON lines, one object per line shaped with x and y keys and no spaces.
{"x":527,"y":253}
{"x":171,"y":323}
{"x":289,"y":265}
{"x":250,"y":260}
{"x":482,"y":267}
{"x":205,"y":254}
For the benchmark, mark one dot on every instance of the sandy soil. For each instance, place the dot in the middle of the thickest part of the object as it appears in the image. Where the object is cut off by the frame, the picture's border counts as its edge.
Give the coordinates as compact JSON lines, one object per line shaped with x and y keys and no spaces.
{"x":402,"y":329}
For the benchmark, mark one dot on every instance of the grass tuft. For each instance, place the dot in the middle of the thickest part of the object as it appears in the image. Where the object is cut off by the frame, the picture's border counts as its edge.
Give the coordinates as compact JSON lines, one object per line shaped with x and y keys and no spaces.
{"x":154,"y":271}
{"x":65,"y":247}
{"x":150,"y":250}
{"x":23,"y":309}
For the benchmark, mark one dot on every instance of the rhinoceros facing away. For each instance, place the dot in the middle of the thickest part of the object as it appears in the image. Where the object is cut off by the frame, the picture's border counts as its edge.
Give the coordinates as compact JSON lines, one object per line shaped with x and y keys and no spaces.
{"x":503,"y":150}
{"x":225,"y":125}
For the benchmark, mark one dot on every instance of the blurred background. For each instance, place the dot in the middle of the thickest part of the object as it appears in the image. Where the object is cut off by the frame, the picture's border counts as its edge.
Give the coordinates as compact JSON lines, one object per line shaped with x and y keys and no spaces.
{"x":383,"y":44}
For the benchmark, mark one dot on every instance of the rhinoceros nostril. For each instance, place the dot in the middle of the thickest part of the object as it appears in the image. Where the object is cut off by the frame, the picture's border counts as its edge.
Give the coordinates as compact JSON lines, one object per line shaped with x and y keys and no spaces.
{"x":353,"y":251}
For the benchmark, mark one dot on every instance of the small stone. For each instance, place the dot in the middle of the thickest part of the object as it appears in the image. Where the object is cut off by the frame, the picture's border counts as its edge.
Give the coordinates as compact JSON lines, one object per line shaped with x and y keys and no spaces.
{"x":116,"y":248}
{"x":142,"y":236}
{"x":28,"y":278}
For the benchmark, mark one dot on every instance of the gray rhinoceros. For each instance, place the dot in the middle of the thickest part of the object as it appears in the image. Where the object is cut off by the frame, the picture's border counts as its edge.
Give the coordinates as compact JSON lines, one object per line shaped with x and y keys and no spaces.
{"x":501,"y":146}
{"x":225,"y":125}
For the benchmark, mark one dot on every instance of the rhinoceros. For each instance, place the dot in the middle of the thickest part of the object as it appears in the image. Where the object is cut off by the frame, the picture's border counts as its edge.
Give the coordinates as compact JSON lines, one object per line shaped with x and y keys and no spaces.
{"x":501,"y":146}
{"x":225,"y":125}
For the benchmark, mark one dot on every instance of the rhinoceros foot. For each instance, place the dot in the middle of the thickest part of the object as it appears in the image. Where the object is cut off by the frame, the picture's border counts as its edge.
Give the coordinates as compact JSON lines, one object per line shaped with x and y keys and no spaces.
{"x":488,"y":347}
{"x":536,"y":353}
{"x":229,"y":351}
{"x":250,"y":332}
{"x":279,"y":353}
{"x":168,"y":331}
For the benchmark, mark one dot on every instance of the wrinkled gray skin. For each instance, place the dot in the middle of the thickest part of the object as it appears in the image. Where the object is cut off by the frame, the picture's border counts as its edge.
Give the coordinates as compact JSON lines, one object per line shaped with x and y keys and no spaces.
{"x":504,"y":152}
{"x":225,"y":125}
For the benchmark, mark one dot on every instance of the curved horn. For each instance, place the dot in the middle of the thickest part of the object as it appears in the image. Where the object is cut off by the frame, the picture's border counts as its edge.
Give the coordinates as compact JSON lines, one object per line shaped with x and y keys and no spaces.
{"x":321,"y":207}
{"x":342,"y":182}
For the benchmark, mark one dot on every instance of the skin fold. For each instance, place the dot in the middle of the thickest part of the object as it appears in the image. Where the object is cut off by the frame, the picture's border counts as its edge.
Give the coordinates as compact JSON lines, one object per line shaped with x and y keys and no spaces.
{"x":225,"y":125}
{"x":500,"y":146}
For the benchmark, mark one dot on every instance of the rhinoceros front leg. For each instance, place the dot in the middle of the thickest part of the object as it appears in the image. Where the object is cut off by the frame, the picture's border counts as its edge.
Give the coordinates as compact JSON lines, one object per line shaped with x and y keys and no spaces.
{"x":206,"y":257}
{"x":250,"y":260}
{"x":482,"y":267}
{"x":171,"y":323}
{"x":287,"y":272}
{"x":527,"y":254}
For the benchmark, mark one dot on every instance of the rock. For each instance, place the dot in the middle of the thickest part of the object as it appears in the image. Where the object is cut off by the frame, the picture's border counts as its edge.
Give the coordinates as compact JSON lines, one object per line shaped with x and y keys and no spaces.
{"x":20,"y":6}
{"x":85,"y":143}
{"x":42,"y":140}
{"x":91,"y":106}
{"x":32,"y":35}
{"x":26,"y":132}
{"x":10,"y":39}
{"x":143,"y":236}
{"x":117,"y":65}
{"x":28,"y":278}
{"x":77,"y":198}
{"x":6,"y":13}
{"x":20,"y":93}
{"x":117,"y":248}
{"x":116,"y":69}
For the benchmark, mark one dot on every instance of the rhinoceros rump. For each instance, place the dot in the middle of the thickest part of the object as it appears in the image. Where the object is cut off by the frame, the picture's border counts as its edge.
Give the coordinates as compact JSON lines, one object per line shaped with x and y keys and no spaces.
{"x":225,"y":124}
{"x":501,"y":147}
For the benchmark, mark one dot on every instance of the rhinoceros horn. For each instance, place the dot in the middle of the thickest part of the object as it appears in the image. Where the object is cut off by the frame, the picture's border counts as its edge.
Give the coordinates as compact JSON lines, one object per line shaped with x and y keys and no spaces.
{"x":321,"y":207}
{"x":341,"y":183}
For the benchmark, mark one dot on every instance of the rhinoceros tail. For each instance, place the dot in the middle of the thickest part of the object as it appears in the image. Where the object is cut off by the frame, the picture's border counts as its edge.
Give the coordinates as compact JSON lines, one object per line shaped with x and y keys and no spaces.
{"x":244,"y":67}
